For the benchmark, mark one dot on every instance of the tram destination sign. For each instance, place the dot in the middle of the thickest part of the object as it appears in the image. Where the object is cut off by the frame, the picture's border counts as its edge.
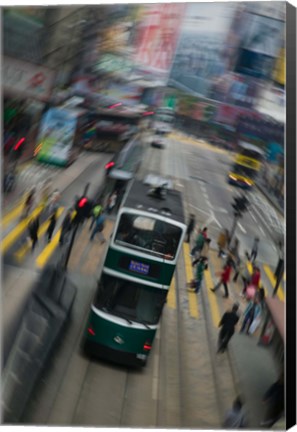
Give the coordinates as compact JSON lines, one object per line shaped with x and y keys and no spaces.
{"x":150,"y":270}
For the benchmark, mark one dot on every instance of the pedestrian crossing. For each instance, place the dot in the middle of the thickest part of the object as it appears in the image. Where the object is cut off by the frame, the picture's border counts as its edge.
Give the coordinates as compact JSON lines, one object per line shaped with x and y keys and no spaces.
{"x":86,"y":257}
{"x":217,"y":304}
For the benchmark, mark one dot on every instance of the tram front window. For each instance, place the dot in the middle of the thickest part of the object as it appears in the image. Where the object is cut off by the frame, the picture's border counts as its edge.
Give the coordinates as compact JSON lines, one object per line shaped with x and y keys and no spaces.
{"x":130,"y":300}
{"x":148,"y":235}
{"x":244,"y":171}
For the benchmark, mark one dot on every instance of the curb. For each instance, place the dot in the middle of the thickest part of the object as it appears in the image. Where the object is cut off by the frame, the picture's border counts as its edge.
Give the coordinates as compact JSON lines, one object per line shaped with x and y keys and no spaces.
{"x":270,"y":199}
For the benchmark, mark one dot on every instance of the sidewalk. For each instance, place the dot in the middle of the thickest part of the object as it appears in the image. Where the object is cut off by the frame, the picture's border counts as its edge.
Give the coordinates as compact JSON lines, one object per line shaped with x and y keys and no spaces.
{"x":254,"y":371}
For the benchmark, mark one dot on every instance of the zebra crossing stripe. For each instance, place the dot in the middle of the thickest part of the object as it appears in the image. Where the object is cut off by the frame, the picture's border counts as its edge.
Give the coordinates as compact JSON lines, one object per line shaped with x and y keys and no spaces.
{"x":47,"y":252}
{"x":20,"y":253}
{"x":13,"y":214}
{"x":18,"y":230}
{"x":192,"y":297}
{"x":272,"y":279}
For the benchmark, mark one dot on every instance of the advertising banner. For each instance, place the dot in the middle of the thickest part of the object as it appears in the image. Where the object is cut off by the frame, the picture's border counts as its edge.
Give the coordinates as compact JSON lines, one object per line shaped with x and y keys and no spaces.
{"x":201,"y":51}
{"x":26,"y":79}
{"x":56,"y":136}
{"x":235,"y":89}
{"x":158,"y":35}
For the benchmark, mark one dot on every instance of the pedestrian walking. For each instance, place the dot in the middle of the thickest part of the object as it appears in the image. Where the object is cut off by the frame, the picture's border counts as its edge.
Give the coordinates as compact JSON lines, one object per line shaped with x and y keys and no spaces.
{"x":274,"y":399}
{"x":33,"y":231}
{"x":99,"y":227}
{"x":28,"y":204}
{"x":224,"y":279}
{"x":280,"y":265}
{"x":199,"y":242}
{"x":53,"y":203}
{"x":227,"y":324}
{"x":253,"y":311}
{"x":234,"y":254}
{"x":205,"y":250}
{"x":66,"y":226}
{"x":254,"y":251}
{"x":51,"y":227}
{"x":235,"y":418}
{"x":256,"y":276}
{"x":96,"y":211}
{"x":201,"y":266}
{"x":190,"y":228}
{"x":222,"y":242}
{"x":112,"y":202}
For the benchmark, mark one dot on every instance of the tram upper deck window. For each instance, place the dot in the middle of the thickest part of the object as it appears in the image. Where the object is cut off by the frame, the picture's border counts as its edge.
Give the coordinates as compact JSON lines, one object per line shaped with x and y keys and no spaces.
{"x":130,"y":300}
{"x":148,"y":235}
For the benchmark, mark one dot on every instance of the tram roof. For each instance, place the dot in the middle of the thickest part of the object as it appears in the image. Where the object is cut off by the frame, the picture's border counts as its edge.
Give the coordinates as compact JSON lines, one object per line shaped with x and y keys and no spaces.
{"x":138,"y":198}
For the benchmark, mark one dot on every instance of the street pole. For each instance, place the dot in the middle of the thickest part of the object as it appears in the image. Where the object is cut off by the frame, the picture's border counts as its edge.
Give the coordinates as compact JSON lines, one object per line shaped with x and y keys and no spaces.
{"x":278,"y":280}
{"x":74,"y":233}
{"x":70,"y":246}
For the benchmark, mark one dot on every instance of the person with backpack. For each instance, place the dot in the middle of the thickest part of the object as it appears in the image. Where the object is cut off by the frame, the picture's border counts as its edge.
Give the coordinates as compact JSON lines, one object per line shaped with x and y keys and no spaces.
{"x":201,"y":266}
{"x":200,"y":239}
{"x":96,"y":211}
{"x":99,"y":227}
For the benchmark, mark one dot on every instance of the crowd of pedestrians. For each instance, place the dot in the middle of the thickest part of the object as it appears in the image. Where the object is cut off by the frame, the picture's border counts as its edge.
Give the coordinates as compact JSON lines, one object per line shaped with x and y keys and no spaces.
{"x":245,"y":271}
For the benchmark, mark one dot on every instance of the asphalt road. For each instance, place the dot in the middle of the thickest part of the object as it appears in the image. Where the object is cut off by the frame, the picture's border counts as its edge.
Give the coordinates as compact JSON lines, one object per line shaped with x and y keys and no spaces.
{"x":184,"y":384}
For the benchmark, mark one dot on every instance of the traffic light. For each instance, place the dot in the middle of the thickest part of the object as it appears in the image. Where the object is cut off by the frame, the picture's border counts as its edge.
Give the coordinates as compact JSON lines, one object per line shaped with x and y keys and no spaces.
{"x":240,"y":205}
{"x":83,"y":208}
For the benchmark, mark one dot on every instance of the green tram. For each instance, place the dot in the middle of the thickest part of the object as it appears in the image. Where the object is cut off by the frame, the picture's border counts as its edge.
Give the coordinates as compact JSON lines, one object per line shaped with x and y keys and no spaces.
{"x":136,"y":275}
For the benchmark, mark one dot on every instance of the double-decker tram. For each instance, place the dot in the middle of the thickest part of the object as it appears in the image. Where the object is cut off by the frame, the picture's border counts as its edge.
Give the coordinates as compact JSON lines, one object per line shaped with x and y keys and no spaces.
{"x":136,"y":275}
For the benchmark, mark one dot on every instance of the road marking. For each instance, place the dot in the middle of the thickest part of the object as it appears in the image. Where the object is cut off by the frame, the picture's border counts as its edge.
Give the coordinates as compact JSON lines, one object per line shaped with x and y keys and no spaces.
{"x":171,"y":298}
{"x":18,"y":230}
{"x":12,"y":214}
{"x":272,"y":279}
{"x":20,"y":253}
{"x":221,"y":210}
{"x":215,"y":313}
{"x":199,"y":209}
{"x":192,"y":297}
{"x":242,"y":228}
{"x":253,"y":216}
{"x":261,"y":229}
{"x":47,"y":252}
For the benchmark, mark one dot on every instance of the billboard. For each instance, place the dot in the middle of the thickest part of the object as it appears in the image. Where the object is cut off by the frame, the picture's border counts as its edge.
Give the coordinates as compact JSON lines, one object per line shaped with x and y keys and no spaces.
{"x":234,"y":89}
{"x":200,"y":55}
{"x":262,"y":41}
{"x":158,"y":35}
{"x":26,"y":79}
{"x":56,"y":136}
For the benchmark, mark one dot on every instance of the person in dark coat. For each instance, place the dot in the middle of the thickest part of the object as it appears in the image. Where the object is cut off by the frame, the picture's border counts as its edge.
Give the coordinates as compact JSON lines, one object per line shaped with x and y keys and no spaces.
{"x":235,"y":417}
{"x":227,"y":324}
{"x":66,"y":226}
{"x":275,"y":400}
{"x":33,"y":231}
{"x":51,"y":227}
{"x":190,"y":228}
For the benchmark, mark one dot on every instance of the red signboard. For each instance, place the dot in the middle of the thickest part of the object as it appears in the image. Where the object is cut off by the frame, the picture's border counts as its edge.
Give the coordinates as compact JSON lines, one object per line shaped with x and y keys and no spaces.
{"x":159,"y":34}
